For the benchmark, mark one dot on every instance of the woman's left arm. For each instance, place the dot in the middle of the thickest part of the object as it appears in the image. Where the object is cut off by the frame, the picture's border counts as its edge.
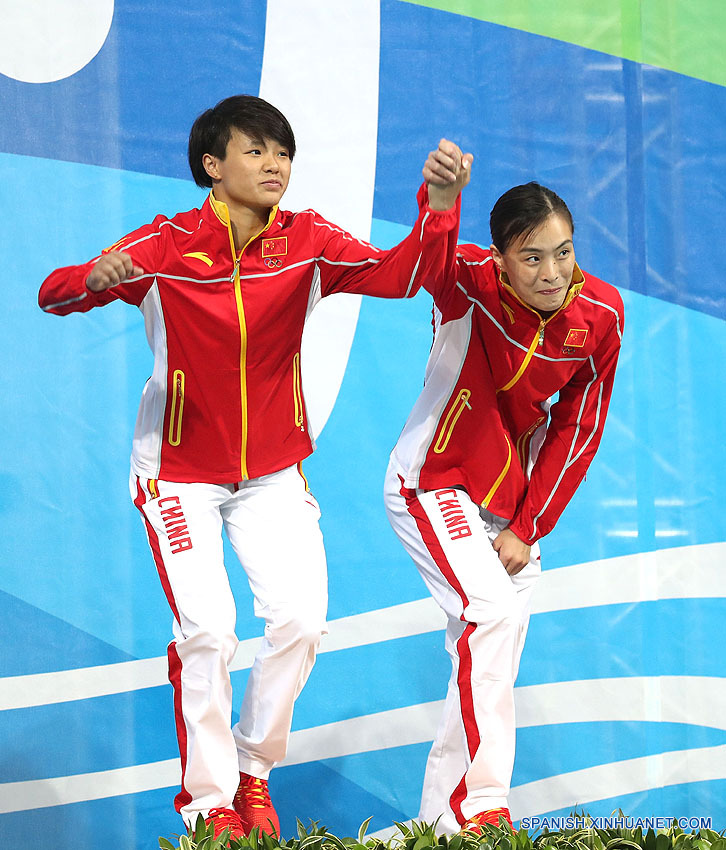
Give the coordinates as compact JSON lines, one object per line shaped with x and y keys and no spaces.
{"x":573,"y":436}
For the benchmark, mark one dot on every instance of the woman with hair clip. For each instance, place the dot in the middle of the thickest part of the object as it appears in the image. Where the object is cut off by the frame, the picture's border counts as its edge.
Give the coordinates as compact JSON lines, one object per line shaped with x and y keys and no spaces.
{"x":485,"y":465}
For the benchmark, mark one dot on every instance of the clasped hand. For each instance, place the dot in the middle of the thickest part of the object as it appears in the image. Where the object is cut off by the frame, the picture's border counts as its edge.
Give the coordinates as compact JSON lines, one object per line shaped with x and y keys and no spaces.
{"x":446,"y":171}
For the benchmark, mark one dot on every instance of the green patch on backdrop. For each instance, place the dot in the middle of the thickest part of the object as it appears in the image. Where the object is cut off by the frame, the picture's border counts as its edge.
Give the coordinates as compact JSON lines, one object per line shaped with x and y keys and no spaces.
{"x":686,"y":36}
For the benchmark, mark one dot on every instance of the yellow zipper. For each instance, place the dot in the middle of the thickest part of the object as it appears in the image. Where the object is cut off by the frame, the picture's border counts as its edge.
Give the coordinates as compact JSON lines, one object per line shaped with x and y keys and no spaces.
{"x":490,"y":495}
{"x":244,"y":475}
{"x":222,"y":213}
{"x":455,"y":411}
{"x":538,"y":340}
{"x":297,"y":391}
{"x":177,"y":407}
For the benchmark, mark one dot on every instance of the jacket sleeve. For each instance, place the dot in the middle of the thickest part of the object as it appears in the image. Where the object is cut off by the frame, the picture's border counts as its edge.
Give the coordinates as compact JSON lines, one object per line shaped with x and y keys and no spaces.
{"x":573,"y":435}
{"x":64,"y":290}
{"x":462,"y":281}
{"x":347,"y":264}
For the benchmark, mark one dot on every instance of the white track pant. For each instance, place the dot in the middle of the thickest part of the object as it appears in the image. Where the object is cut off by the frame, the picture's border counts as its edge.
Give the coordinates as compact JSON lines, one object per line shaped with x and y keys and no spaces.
{"x":272,"y":524}
{"x":449,"y":537}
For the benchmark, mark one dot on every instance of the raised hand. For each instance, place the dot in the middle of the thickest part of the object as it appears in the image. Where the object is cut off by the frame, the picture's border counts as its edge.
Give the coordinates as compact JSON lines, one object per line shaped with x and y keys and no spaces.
{"x":446,"y":171}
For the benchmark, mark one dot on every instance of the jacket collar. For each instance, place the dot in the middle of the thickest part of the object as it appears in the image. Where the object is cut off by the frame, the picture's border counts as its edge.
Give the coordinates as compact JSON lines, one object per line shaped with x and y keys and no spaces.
{"x":215,"y":210}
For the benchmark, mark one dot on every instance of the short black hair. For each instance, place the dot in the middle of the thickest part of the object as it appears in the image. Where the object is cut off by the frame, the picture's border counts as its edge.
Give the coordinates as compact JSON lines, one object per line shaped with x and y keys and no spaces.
{"x":521,"y":210}
{"x":252,"y":115}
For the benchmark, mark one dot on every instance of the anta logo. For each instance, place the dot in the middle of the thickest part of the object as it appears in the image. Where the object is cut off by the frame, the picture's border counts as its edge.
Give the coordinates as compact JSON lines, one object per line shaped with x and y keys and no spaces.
{"x":453,"y":514}
{"x":200,"y":255}
{"x":575,"y":339}
{"x":177,"y":532}
{"x":276,"y":247}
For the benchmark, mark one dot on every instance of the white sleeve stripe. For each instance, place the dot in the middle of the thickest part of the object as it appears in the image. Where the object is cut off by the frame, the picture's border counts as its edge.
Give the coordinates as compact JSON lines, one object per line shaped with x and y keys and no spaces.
{"x":560,"y":359}
{"x":157,"y":233}
{"x":474,"y":262}
{"x":164,"y":276}
{"x":413,"y":275}
{"x":418,"y":261}
{"x":66,"y":302}
{"x":186,"y":279}
{"x":169,"y":223}
{"x":309,"y":262}
{"x":423,"y":224}
{"x":570,"y":460}
{"x":490,"y":317}
{"x":606,"y":307}
{"x":345,"y":262}
{"x":593,"y":432}
{"x":346,"y":235}
{"x":139,"y":240}
{"x":85,"y":294}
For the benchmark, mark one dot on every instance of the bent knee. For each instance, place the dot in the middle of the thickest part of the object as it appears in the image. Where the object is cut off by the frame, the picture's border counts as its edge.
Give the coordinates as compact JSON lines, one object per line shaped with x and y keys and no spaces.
{"x":209,"y":640}
{"x":502,"y":616}
{"x":289,"y":628}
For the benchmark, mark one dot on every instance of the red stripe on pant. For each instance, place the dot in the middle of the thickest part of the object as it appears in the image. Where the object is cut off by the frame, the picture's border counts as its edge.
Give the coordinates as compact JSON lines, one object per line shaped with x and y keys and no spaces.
{"x":183,"y":797}
{"x":155,"y":549}
{"x":175,"y":668}
{"x":467,"y":712}
{"x":466,"y":697}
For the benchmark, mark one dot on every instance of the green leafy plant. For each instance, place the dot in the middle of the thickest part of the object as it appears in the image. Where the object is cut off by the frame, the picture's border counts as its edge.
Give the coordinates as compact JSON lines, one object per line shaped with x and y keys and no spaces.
{"x":585,"y":835}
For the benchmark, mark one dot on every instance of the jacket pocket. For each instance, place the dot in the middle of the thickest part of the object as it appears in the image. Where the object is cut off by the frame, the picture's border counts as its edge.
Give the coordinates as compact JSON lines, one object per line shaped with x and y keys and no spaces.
{"x":524,"y":439}
{"x":177,"y":408}
{"x":297,"y":392}
{"x":502,"y":475}
{"x":455,"y":411}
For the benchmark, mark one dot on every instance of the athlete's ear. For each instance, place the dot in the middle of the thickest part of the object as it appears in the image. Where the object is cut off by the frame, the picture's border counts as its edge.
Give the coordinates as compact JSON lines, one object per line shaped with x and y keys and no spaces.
{"x":496,"y":255}
{"x":211,"y":166}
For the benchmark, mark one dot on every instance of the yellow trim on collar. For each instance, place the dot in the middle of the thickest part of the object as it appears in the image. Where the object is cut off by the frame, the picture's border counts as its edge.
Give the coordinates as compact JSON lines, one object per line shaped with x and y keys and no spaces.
{"x":578,"y":281}
{"x":221,"y":210}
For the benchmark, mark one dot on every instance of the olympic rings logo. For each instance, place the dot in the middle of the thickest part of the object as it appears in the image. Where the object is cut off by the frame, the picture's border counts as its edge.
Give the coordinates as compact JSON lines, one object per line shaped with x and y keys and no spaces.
{"x":273,"y":262}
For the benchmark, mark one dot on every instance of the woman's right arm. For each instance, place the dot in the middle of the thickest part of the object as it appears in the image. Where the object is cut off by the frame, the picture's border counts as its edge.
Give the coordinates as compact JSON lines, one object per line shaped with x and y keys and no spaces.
{"x":125,"y":273}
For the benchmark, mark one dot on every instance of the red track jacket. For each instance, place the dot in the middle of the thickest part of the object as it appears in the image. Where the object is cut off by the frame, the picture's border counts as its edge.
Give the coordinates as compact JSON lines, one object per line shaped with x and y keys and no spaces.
{"x":224,"y":402}
{"x":483,"y":420}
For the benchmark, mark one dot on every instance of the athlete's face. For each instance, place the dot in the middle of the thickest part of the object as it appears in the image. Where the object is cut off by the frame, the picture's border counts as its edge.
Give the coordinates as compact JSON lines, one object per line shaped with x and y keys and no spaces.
{"x":540,"y":266}
{"x":253,"y":174}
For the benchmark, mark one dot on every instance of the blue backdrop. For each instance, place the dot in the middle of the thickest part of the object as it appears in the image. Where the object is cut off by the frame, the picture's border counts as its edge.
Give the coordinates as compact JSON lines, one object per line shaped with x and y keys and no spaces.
{"x":621,"y":695}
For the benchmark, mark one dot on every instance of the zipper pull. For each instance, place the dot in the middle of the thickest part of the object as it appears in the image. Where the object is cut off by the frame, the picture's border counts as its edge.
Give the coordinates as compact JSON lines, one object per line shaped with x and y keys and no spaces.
{"x":234,"y":270}
{"x":540,"y":341}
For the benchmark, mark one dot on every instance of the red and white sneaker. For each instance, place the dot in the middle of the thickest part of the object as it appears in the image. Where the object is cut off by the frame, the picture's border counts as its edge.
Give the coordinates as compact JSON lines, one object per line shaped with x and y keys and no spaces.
{"x":223,"y":819}
{"x":254,"y":807}
{"x":491,"y":816}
